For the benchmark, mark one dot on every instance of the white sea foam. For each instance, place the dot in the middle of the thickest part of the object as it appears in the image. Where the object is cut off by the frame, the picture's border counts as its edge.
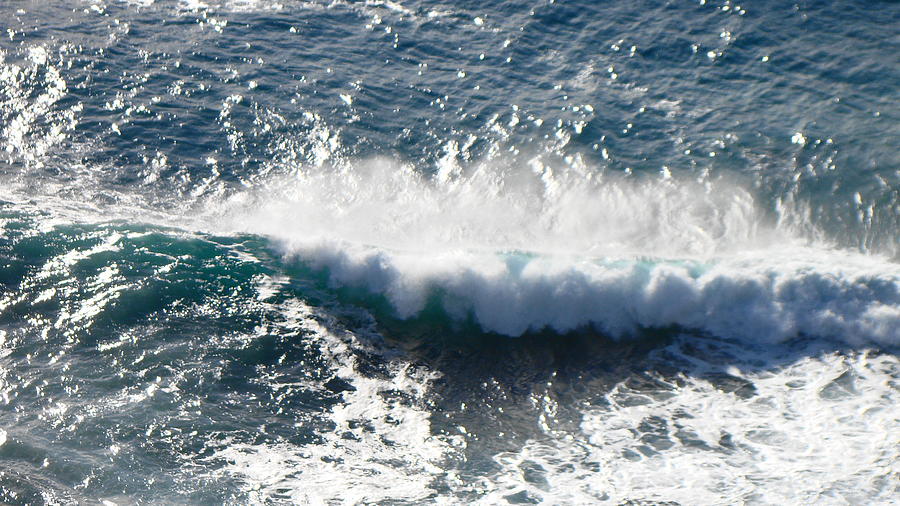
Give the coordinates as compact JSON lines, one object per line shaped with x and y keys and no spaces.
{"x":381,"y":447}
{"x":526,"y":249}
{"x":815,"y":429}
{"x":818,"y":431}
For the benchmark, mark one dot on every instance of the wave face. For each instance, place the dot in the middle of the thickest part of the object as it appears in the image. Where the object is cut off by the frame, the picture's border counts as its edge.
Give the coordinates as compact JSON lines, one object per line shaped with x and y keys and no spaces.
{"x":406,"y":252}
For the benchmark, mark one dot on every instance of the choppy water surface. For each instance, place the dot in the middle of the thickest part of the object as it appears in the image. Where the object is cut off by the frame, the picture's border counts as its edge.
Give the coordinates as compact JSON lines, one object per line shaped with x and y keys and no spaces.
{"x":402,"y":252}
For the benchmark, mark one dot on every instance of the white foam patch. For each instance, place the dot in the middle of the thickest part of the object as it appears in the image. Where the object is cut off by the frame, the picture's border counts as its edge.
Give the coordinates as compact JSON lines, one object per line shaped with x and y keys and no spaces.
{"x":822,"y":430}
{"x":380,"y":449}
{"x":523,"y":250}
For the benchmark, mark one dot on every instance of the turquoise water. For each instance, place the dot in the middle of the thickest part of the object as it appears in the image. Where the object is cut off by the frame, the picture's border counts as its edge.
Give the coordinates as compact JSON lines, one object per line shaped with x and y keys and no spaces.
{"x":576,"y":252}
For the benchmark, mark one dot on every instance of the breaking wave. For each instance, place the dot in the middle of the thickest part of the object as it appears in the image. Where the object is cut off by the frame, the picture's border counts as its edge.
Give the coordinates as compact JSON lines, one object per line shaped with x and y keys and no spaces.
{"x":522,"y":251}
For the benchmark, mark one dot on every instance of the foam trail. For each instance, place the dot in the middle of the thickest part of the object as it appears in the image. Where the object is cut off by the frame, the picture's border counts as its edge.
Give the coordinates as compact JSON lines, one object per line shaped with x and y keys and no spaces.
{"x":391,"y":439}
{"x":526,"y":250}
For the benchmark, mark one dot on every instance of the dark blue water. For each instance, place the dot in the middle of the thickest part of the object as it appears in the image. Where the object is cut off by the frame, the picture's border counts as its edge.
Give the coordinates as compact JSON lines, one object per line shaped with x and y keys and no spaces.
{"x":410,"y":252}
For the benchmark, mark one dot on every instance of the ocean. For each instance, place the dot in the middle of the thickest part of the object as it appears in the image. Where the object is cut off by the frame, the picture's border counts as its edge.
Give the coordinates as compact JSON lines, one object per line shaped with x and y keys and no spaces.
{"x":433,"y":252}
